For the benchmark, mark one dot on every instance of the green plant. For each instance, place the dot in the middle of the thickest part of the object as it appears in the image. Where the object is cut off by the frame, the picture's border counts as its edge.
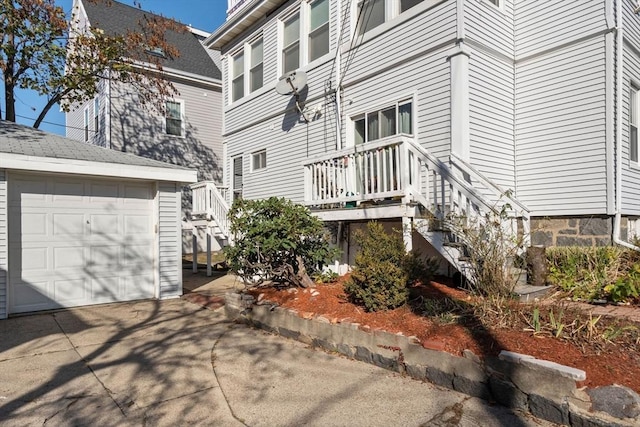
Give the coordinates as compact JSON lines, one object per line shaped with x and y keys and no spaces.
{"x":326,"y":276}
{"x":276,"y":240}
{"x":600,"y":273}
{"x":444,"y":310}
{"x":383,"y":269}
{"x":493,"y":245}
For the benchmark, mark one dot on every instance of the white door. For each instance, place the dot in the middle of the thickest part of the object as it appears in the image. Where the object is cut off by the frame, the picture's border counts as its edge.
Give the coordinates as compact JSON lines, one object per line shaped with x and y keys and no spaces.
{"x":76,"y":242}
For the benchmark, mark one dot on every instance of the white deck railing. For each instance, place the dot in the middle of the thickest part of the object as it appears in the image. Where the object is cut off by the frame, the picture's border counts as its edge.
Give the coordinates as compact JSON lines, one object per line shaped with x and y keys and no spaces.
{"x":210,"y":204}
{"x":398,"y":167}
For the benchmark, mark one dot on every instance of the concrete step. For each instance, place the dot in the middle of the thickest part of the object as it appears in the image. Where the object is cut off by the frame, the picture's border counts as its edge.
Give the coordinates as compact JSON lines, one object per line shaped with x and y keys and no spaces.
{"x":528,"y":293}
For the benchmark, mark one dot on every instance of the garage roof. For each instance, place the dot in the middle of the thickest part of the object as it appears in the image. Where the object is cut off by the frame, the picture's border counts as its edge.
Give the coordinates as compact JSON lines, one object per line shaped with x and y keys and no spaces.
{"x":23,"y":147}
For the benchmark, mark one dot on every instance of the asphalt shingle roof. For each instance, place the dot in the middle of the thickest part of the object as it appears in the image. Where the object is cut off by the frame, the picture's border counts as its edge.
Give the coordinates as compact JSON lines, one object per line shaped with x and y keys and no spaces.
{"x":20,"y":139}
{"x":117,"y":18}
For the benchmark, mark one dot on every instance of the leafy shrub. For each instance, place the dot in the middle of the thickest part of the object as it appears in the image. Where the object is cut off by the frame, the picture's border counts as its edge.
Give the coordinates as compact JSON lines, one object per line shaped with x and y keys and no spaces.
{"x":600,"y":273}
{"x":383,"y":269}
{"x":492,"y":250}
{"x":275,"y":239}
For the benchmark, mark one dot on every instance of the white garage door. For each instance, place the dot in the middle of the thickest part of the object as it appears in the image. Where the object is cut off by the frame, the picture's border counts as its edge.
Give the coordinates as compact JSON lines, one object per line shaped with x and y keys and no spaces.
{"x":76,"y":242}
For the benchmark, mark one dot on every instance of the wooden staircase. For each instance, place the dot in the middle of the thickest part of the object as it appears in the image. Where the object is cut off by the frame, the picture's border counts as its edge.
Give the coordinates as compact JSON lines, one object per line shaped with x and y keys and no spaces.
{"x":428,"y":191}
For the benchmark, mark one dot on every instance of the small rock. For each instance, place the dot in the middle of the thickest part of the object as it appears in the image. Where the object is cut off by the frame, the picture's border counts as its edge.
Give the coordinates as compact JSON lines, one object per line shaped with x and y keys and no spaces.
{"x":323,"y":319}
{"x":292,"y":290}
{"x":414,"y":340}
{"x":306,"y":315}
{"x":468,"y":354}
{"x":260,"y":297}
{"x":616,"y":400}
{"x":315,"y":293}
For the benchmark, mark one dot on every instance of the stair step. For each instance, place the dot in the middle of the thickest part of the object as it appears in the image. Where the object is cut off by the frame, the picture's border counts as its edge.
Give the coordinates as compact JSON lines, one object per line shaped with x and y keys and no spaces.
{"x":453,"y":244}
{"x":528,"y":293}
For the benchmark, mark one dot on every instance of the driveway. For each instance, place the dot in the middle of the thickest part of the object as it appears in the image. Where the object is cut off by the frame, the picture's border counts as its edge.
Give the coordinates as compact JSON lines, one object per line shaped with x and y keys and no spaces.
{"x":173,"y":363}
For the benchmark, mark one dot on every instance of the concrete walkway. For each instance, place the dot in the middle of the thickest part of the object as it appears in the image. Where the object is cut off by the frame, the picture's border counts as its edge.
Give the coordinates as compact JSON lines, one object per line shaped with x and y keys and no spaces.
{"x":174,"y":363}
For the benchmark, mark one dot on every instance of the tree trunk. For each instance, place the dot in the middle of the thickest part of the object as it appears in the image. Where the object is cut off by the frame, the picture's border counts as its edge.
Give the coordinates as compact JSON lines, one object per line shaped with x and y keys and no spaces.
{"x":303,"y":277}
{"x":9,"y":84}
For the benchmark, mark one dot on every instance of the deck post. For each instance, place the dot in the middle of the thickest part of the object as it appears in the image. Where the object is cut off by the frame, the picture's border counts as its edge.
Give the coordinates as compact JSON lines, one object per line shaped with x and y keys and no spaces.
{"x":208,"y":251}
{"x":194,"y":247}
{"x":407,"y":234}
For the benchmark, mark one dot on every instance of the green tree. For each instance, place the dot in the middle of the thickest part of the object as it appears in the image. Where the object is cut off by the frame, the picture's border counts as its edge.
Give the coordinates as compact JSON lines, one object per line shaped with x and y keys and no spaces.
{"x":43,"y":50}
{"x":276,"y":239}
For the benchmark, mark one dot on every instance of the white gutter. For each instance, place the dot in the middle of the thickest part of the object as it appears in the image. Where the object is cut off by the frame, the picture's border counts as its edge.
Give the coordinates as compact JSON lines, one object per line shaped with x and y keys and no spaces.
{"x":618,"y":153}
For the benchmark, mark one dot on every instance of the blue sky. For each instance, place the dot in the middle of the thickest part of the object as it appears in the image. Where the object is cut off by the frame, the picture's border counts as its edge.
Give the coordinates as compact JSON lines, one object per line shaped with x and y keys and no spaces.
{"x":205,"y":15}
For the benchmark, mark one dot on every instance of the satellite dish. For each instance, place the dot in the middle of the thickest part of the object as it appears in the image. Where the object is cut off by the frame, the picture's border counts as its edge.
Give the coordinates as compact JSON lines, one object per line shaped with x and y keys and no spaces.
{"x":291,"y":83}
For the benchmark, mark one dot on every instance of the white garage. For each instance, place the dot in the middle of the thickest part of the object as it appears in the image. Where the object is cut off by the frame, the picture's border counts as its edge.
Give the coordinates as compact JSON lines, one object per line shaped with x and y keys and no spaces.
{"x":82,"y":225}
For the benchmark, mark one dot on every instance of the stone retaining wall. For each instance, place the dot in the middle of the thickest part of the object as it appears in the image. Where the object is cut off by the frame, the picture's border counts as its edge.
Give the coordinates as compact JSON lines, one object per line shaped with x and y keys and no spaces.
{"x":577,"y":231}
{"x":546,"y":389}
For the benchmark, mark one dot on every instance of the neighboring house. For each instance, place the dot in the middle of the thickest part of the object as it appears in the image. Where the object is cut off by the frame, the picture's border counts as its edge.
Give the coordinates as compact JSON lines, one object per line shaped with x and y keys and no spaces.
{"x":415,"y":106}
{"x":82,"y":225}
{"x":189,"y":134}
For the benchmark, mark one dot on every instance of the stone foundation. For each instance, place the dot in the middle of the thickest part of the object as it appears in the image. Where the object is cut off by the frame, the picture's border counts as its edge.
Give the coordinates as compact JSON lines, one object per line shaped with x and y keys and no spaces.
{"x":575,"y":231}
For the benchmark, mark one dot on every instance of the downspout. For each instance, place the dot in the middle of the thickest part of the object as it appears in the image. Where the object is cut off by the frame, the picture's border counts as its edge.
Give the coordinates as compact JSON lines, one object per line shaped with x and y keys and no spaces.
{"x":618,"y":152}
{"x":338,"y":69}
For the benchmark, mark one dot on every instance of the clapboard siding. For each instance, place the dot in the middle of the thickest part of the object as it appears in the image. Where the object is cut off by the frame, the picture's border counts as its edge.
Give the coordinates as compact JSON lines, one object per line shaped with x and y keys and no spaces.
{"x":631,"y":22}
{"x":630,"y":173}
{"x":491,"y":117}
{"x":489,"y":25}
{"x":560,"y":130}
{"x":4,"y":244}
{"x":542,"y":25}
{"x":421,"y":33}
{"x":265,"y":100}
{"x":170,"y":240}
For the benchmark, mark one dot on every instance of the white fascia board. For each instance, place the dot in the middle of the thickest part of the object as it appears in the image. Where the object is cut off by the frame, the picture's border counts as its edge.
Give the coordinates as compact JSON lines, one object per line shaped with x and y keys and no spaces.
{"x":82,"y":167}
{"x":172,"y":72}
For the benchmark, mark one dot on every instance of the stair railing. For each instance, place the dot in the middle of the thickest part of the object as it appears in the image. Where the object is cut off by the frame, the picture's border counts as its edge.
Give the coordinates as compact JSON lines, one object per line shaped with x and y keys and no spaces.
{"x":209,"y":204}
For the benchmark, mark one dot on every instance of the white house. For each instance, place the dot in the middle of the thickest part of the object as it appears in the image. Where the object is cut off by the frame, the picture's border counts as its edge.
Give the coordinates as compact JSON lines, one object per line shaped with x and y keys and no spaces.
{"x":82,"y":225}
{"x":188,"y":133}
{"x":397,"y":108}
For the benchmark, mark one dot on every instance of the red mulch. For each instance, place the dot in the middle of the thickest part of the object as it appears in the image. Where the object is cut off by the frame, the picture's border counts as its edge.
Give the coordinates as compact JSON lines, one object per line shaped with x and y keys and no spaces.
{"x":604,"y":366}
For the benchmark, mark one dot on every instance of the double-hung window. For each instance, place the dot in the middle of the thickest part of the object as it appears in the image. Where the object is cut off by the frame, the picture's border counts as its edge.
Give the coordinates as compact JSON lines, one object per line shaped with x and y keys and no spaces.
{"x":318,"y":29}
{"x":304,"y":35}
{"x":247,"y":69}
{"x":174,"y":123}
{"x":255,"y":70}
{"x":391,"y":120}
{"x":237,"y":76}
{"x":633,"y":124}
{"x":373,"y":13}
{"x":291,"y":43}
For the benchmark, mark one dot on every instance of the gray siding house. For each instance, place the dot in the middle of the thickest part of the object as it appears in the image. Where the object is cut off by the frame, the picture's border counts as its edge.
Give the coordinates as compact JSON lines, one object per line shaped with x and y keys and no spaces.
{"x":439,"y":106}
{"x":187,"y":134}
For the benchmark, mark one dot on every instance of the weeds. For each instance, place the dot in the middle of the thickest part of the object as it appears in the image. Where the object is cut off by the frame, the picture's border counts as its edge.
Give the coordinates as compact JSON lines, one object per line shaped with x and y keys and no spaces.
{"x":593,"y":274}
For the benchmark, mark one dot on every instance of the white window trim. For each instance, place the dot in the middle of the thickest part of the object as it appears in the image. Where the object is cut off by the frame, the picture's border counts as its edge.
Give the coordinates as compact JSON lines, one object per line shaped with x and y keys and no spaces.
{"x":353,"y":117}
{"x":85,"y":128}
{"x":304,"y":9}
{"x":634,"y":86}
{"x":499,"y":6}
{"x":245,"y":47}
{"x":257,"y":153}
{"x":393,"y":17}
{"x":182,"y":119}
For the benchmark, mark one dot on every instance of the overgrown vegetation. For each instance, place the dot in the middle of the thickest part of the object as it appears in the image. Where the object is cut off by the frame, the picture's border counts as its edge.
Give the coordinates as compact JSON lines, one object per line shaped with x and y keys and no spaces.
{"x":605,"y":273}
{"x":383,"y":269}
{"x":276,"y":240}
{"x":492,"y":245}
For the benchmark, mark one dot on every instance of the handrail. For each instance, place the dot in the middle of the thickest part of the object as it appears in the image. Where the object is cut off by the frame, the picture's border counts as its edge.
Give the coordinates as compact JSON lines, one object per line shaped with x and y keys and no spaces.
{"x":209,"y":203}
{"x":498,"y":191}
{"x":444,"y":171}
